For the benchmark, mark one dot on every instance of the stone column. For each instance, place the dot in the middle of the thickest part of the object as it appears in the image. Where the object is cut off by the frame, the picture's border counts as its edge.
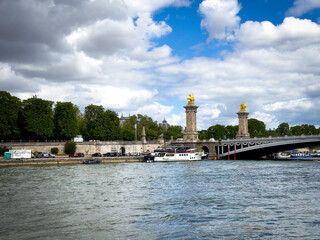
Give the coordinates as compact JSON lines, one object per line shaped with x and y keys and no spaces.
{"x":243,"y":125}
{"x":143,"y":136}
{"x":190,"y":133}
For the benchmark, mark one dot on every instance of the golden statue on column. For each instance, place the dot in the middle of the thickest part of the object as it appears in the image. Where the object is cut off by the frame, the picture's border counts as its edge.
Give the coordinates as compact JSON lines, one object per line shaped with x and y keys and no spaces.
{"x":191,"y":100}
{"x":243,"y":107}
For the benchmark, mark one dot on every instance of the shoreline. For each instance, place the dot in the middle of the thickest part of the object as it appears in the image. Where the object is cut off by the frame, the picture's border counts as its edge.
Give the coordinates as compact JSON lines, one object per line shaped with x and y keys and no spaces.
{"x":64,"y":161}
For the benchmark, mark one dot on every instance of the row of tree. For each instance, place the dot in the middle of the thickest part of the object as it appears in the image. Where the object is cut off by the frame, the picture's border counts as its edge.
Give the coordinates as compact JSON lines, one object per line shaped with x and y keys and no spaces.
{"x":40,"y":119}
{"x":258,"y":129}
{"x":36,"y":118}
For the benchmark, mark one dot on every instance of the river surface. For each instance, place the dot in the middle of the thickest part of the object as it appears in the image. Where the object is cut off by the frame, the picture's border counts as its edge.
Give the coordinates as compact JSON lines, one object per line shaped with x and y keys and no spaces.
{"x":194,"y":200}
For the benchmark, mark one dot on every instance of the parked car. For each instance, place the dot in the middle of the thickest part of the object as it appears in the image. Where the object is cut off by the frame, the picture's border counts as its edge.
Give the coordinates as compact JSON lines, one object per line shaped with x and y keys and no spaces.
{"x":44,"y":155}
{"x":96,"y":155}
{"x":80,"y":154}
{"x":111,"y":154}
{"x":73,"y":155}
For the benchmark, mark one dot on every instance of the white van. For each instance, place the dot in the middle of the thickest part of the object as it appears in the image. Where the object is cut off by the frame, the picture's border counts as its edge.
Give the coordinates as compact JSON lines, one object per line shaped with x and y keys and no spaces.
{"x":78,"y":138}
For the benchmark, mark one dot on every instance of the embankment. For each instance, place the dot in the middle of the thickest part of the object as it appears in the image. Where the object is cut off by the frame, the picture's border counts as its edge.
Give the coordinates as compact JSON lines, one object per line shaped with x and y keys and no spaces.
{"x":64,"y":161}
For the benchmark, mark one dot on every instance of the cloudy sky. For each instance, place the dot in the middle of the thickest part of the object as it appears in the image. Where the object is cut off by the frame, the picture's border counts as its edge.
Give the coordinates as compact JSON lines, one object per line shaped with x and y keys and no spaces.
{"x":143,"y":56}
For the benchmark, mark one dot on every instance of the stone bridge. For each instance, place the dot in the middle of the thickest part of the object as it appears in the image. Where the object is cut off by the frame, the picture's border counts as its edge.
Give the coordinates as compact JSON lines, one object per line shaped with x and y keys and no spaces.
{"x":251,"y":148}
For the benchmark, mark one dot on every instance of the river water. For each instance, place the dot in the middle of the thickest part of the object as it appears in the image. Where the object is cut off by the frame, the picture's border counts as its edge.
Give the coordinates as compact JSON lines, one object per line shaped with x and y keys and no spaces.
{"x":194,"y":200}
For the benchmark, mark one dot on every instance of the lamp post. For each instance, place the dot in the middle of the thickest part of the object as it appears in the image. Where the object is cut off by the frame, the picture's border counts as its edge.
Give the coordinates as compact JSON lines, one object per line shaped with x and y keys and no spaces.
{"x":135,"y":128}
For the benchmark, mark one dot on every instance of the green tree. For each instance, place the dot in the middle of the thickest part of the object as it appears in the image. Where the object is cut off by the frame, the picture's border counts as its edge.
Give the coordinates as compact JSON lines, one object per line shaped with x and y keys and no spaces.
{"x":218,"y":131}
{"x":203,"y":134}
{"x":95,"y":124}
{"x":152,"y":128}
{"x":256,"y":128}
{"x":70,"y":147}
{"x":175,"y":131}
{"x":37,"y":117}
{"x":232,"y":131}
{"x":112,"y":122}
{"x":283,"y":129}
{"x":296,"y":130}
{"x":10,"y":107}
{"x":65,"y":120}
{"x":54,"y":150}
{"x":309,"y":129}
{"x":127,"y":133}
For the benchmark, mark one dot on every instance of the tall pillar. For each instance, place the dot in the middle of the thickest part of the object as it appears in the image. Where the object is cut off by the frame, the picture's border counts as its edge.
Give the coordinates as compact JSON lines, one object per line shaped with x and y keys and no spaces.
{"x":243,"y":123}
{"x":190,"y":133}
{"x":143,"y":136}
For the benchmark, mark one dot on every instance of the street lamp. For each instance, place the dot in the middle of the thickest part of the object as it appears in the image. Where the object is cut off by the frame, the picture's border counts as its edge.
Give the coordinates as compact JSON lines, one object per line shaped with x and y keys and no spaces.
{"x":211,"y":133}
{"x":135,"y":128}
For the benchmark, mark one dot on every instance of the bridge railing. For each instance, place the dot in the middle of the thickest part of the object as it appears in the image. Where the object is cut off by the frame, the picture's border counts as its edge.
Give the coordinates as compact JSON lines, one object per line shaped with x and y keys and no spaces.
{"x":268,"y":139}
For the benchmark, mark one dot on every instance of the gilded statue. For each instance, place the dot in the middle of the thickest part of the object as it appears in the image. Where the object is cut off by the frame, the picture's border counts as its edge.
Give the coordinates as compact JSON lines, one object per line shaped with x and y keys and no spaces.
{"x":243,"y":107}
{"x":191,"y":99}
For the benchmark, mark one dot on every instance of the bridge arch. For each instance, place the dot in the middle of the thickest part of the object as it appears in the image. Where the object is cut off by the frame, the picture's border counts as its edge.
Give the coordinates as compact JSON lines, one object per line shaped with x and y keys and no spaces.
{"x":253,"y":148}
{"x":205,"y":149}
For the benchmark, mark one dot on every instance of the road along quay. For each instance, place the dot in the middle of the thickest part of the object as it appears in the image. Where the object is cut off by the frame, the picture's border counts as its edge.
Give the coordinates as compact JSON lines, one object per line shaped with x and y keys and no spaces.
{"x":65,"y":161}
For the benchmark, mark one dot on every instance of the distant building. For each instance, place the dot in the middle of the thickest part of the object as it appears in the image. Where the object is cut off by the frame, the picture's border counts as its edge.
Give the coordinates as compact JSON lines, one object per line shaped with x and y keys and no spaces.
{"x":165,"y":125}
{"x":123,"y":120}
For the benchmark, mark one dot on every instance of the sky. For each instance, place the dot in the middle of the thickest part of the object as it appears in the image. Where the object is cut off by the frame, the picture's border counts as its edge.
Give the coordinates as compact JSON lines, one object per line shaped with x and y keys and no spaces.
{"x":146,"y":56}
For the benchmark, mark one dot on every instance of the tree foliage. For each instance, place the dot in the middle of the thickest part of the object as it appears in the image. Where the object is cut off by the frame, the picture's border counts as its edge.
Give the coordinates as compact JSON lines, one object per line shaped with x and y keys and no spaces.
{"x":70,"y":147}
{"x":100,"y":124}
{"x":283,"y":129}
{"x":217,"y":131}
{"x":54,"y":150}
{"x":65,"y":120}
{"x":95,"y":125}
{"x":37,"y":117}
{"x":256,"y":128}
{"x":175,"y":131}
{"x":10,"y":107}
{"x":112,"y":125}
{"x":152,"y":128}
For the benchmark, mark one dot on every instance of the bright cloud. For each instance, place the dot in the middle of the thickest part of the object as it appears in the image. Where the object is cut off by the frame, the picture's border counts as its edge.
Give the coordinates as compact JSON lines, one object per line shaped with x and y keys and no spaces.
{"x":291,"y":34}
{"x":119,"y":54}
{"x":301,"y":7}
{"x":220,"y":18}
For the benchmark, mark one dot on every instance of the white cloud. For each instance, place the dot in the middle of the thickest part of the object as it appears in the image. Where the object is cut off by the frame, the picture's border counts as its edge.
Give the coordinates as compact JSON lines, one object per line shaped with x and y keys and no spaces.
{"x":269,"y":119}
{"x":106,"y":53}
{"x":301,"y":7}
{"x":107,"y":37}
{"x":177,"y":119}
{"x":155,"y":109}
{"x":291,"y":34}
{"x":295,"y":104}
{"x":138,"y":7}
{"x":207,"y":114}
{"x":220,"y":18}
{"x":263,"y":72}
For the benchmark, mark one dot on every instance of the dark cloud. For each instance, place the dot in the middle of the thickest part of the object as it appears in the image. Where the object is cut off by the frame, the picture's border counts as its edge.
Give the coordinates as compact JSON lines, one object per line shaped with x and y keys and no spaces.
{"x":32,"y":30}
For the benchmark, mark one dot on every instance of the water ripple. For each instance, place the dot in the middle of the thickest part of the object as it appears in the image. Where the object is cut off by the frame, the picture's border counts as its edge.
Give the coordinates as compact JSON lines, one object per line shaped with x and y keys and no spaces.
{"x":200,"y":200}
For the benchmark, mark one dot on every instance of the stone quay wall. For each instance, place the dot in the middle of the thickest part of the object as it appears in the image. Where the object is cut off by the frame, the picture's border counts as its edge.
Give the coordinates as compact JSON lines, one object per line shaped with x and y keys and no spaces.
{"x":87,"y":148}
{"x":65,"y":161}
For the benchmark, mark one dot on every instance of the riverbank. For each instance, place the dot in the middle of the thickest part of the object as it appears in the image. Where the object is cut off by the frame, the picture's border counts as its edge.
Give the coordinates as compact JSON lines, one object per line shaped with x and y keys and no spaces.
{"x":64,"y":161}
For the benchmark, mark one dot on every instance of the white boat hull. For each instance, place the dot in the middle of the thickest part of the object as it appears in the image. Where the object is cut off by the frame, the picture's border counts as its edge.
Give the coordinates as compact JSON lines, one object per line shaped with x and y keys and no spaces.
{"x":177,"y":157}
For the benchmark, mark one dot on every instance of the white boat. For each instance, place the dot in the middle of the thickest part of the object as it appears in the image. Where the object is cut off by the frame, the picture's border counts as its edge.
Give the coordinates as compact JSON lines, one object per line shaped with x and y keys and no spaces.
{"x":301,"y":155}
{"x":282,"y":155}
{"x":189,"y":155}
